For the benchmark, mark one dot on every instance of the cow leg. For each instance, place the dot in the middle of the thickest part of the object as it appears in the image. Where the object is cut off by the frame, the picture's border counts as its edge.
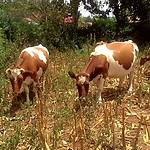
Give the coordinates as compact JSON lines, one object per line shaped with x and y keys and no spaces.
{"x":37,"y":89}
{"x":120,"y":82}
{"x":26,"y":89}
{"x":100,"y":88}
{"x":34,"y":87}
{"x":131,"y":81}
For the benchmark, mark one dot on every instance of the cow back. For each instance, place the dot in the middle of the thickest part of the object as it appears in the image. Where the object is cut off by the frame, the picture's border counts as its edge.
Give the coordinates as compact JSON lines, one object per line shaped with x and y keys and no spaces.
{"x":34,"y":58}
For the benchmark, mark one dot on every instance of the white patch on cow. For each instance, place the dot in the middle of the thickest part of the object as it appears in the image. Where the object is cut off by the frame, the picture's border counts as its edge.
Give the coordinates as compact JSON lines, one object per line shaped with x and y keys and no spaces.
{"x":115,"y":69}
{"x":100,"y":88}
{"x":32,"y":50}
{"x":15,"y":73}
{"x":135,"y":47}
{"x":97,"y":79}
{"x":103,"y":50}
{"x":44,"y":48}
{"x":82,"y":79}
{"x":129,"y":41}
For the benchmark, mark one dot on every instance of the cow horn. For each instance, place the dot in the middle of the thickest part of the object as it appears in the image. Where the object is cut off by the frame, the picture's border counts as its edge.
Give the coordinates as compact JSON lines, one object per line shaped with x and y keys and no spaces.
{"x":8,"y":71}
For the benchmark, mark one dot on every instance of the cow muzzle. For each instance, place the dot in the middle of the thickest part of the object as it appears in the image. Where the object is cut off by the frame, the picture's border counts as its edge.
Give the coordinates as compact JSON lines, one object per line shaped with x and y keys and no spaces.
{"x":16,"y":94}
{"x":79,"y":102}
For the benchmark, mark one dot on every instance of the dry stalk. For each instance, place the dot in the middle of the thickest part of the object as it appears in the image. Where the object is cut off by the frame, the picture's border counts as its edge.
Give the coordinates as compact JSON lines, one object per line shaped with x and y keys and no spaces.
{"x":99,"y":121}
{"x":133,"y":112}
{"x":40,"y":122}
{"x":112,"y":125}
{"x":110,"y":106}
{"x":147,"y":128}
{"x":75,"y":128}
{"x":139,"y":77}
{"x":81,"y":128}
{"x":123,"y":127}
{"x":113,"y":131}
{"x":149,"y":96}
{"x":106,"y":116}
{"x":137,"y":133}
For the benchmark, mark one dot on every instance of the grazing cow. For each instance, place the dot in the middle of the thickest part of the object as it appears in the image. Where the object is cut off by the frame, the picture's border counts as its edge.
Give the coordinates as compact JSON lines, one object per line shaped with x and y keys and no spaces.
{"x":114,"y":59}
{"x":145,"y":58}
{"x":32,"y":63}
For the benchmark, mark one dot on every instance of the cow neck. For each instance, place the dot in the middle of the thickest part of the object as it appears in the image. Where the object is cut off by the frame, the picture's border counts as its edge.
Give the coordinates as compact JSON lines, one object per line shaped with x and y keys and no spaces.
{"x":89,"y":69}
{"x":20,"y":62}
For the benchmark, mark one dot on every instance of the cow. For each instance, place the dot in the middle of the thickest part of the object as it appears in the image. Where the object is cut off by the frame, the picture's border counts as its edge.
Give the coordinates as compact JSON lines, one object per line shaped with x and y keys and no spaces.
{"x":116,"y":60}
{"x":32,"y":63}
{"x":145,"y":58}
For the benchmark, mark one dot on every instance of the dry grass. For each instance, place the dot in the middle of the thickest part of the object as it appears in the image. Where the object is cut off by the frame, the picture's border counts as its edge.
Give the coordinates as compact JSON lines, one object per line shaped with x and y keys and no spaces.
{"x":121,"y":122}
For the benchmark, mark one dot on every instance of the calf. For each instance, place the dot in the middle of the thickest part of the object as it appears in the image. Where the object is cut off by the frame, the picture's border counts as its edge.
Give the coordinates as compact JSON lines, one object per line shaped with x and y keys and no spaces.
{"x":114,"y":59}
{"x":145,"y":58}
{"x":32,"y":63}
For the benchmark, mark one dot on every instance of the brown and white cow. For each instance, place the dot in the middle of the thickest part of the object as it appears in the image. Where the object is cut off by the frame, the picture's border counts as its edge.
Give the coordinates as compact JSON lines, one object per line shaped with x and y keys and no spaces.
{"x":145,"y":58}
{"x":114,"y":59}
{"x":32,"y":63}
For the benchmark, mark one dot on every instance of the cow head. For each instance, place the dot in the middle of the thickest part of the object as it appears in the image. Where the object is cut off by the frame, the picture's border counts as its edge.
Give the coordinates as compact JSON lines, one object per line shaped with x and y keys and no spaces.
{"x":17,"y":76}
{"x":82,"y":83}
{"x":143,"y":60}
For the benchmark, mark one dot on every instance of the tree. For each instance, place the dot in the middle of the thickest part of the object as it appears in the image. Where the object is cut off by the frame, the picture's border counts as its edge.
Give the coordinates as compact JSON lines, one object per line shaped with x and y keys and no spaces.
{"x":127,"y":11}
{"x":95,"y":7}
{"x":48,"y":16}
{"x":92,"y":6}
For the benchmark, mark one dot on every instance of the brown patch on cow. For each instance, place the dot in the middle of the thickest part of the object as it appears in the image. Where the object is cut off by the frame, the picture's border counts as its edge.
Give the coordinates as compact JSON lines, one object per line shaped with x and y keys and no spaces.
{"x":20,"y":61}
{"x":122,"y":53}
{"x":29,"y":62}
{"x":32,"y":74}
{"x":97,"y":65}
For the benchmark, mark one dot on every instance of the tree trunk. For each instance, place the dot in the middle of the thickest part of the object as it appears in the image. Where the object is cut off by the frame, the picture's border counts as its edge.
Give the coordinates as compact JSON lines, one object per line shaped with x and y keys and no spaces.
{"x":75,"y":15}
{"x":116,"y":13}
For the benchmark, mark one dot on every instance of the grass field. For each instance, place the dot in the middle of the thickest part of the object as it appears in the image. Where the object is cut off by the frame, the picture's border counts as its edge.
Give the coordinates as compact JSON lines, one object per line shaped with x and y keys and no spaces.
{"x":121,"y":122}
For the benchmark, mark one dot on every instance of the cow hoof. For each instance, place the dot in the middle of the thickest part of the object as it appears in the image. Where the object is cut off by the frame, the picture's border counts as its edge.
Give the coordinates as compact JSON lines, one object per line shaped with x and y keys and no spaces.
{"x":28,"y":103}
{"x":129,"y":92}
{"x":99,"y":101}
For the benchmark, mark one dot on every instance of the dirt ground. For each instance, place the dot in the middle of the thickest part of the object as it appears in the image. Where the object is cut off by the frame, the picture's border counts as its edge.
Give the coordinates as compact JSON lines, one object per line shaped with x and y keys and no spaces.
{"x":121,"y":121}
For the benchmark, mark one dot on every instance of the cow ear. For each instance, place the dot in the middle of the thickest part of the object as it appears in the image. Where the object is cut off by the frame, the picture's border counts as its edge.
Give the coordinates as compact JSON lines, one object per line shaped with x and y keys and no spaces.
{"x":72,"y":75}
{"x":8,"y":71}
{"x":22,"y":70}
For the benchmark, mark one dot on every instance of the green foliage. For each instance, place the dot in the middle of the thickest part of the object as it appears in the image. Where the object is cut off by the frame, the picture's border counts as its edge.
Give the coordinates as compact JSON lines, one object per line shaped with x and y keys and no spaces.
{"x":105,"y":27}
{"x":48,"y":28}
{"x":47,"y":25}
{"x":129,"y":12}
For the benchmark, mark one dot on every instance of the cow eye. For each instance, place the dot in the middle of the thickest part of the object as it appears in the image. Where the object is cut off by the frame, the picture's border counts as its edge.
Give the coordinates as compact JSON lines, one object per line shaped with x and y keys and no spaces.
{"x":86,"y":83}
{"x":11,"y":77}
{"x":77,"y":84}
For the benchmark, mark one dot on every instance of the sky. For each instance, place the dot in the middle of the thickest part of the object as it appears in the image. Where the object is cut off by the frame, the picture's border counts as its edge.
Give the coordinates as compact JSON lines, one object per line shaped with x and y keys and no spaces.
{"x":84,"y":12}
